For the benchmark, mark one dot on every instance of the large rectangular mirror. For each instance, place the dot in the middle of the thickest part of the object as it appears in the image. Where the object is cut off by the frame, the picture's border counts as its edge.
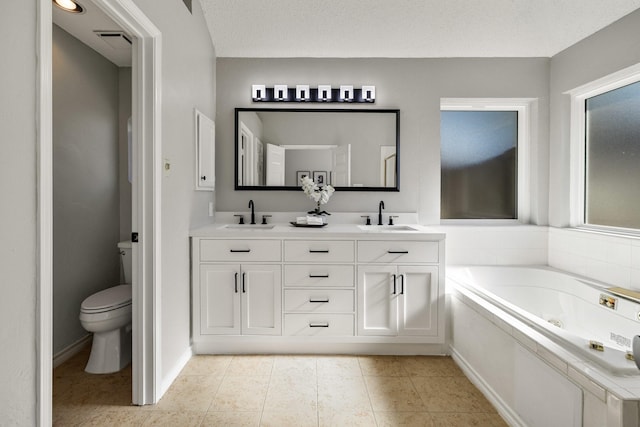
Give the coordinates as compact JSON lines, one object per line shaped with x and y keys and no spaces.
{"x":351,"y":149}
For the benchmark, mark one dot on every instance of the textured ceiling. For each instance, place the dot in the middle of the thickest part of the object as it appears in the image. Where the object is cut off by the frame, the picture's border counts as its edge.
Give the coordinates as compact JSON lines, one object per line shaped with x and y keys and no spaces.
{"x":405,"y":28}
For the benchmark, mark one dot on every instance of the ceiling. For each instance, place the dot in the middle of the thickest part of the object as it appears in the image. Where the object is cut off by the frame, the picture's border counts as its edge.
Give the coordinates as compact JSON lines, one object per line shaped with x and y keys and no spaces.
{"x":378,"y":28}
{"x":405,"y":28}
{"x":84,"y":26}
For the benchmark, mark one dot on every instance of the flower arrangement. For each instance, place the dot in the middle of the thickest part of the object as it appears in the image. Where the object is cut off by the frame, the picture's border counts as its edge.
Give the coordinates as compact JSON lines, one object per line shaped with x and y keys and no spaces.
{"x":320,"y":195}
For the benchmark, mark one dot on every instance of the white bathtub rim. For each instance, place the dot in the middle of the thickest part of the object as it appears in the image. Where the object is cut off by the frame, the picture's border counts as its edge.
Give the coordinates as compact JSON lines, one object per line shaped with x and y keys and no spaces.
{"x":554,"y":355}
{"x":620,"y":367}
{"x":623,"y":309}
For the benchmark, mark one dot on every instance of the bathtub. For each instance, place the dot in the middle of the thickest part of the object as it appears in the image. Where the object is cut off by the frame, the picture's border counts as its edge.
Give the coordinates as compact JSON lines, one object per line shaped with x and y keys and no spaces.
{"x":525,"y":335}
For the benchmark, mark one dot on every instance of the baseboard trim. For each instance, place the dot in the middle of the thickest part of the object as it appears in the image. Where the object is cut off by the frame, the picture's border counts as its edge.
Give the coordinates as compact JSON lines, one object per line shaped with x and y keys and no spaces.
{"x":505,"y":411}
{"x":242,"y":345}
{"x":70,"y":351}
{"x":174,"y":372}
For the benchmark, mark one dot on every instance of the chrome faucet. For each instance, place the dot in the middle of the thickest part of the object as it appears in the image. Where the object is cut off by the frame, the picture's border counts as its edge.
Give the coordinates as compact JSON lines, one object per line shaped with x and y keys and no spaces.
{"x":380,"y":207}
{"x":253,"y":214}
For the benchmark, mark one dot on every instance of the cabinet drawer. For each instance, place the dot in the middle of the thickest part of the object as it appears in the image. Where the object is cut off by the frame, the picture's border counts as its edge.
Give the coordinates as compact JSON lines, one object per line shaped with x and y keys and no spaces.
{"x":319,"y":275}
{"x":318,"y":251}
{"x":318,"y":324}
{"x":319,"y":300}
{"x":397,"y":252}
{"x":240,"y":250}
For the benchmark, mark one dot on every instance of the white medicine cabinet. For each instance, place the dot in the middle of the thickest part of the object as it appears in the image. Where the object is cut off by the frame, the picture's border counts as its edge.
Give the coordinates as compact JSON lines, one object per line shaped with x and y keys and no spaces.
{"x":205,"y":132}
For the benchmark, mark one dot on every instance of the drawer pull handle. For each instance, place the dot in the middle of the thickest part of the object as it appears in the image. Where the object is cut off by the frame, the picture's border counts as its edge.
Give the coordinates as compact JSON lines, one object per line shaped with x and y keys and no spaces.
{"x":318,"y":251}
{"x":318,"y":299}
{"x":319,"y":325}
{"x":398,"y":252}
{"x":318,"y":276}
{"x":239,"y":250}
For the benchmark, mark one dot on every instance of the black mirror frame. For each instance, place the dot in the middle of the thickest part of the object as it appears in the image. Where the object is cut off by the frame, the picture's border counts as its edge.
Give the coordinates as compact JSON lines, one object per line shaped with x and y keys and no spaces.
{"x":315,"y":110}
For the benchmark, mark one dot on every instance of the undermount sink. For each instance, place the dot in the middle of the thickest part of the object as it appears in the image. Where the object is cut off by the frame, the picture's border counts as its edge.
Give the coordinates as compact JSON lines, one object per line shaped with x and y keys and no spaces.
{"x":249,"y":226}
{"x":387,"y":228}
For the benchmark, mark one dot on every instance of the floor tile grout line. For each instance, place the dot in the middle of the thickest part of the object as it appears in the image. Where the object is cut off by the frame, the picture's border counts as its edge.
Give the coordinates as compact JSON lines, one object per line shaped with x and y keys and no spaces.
{"x":317,"y":393}
{"x":264,"y":401}
{"x":366,"y":387}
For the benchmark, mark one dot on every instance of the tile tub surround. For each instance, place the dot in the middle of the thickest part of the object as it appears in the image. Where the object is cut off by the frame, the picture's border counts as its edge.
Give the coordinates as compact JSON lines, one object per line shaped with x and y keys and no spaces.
{"x":282,"y":391}
{"x":509,"y":244}
{"x":609,"y":258}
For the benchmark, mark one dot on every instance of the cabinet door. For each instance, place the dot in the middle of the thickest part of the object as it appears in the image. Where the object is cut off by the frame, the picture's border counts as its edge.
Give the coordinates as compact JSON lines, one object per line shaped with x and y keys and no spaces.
{"x":377,"y":300}
{"x":205,"y":147}
{"x":261,"y":289}
{"x":418,"y":301}
{"x":219,"y":299}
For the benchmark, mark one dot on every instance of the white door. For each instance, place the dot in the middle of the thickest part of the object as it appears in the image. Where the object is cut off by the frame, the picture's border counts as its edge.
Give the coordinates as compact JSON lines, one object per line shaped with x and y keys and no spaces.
{"x":387,"y":166}
{"x":259,"y":158}
{"x":261,"y":300}
{"x":377,"y":300}
{"x":245,"y":165}
{"x":220,"y":299}
{"x":275,"y":165}
{"x":418,"y":301}
{"x":341,"y":166}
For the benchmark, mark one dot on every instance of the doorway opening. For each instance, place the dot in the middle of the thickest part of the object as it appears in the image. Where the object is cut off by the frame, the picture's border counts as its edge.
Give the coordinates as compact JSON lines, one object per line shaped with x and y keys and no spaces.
{"x":145,"y":217}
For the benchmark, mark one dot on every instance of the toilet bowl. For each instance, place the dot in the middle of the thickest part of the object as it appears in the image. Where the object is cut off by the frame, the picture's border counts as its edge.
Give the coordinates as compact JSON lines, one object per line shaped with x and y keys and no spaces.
{"x":108,"y":315}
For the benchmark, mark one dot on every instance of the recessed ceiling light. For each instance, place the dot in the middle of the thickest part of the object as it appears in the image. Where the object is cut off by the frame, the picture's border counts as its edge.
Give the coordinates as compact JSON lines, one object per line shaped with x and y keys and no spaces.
{"x":69,"y":6}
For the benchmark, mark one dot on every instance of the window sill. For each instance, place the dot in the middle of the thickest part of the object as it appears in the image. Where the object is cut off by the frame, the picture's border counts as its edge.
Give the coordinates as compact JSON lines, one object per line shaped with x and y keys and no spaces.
{"x":482,"y":222}
{"x":606,"y":231}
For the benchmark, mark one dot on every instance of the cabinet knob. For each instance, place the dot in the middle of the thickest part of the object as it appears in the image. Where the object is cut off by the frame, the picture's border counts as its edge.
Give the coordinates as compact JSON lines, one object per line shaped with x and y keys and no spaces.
{"x":204,"y":178}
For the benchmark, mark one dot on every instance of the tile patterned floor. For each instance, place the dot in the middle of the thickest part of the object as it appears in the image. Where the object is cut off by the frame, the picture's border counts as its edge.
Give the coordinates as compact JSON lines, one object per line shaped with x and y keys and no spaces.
{"x":281,"y":391}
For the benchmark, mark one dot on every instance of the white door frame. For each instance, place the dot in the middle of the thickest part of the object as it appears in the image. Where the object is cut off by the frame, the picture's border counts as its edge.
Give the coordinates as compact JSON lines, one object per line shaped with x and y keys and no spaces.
{"x":146,"y":212}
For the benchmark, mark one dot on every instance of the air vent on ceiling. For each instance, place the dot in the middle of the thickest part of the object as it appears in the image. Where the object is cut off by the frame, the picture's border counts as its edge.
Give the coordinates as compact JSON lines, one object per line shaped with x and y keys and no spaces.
{"x":115,"y":39}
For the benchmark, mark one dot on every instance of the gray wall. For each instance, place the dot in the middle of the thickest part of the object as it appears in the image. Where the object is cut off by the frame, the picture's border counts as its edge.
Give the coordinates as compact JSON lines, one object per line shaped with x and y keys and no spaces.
{"x":188,"y":81}
{"x":18,"y":160}
{"x":607,"y":51}
{"x":86,"y":225}
{"x":415,"y":86}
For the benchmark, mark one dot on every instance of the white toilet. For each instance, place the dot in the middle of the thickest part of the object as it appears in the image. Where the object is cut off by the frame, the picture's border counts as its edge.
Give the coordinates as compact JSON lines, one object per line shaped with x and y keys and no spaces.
{"x":108,"y":315}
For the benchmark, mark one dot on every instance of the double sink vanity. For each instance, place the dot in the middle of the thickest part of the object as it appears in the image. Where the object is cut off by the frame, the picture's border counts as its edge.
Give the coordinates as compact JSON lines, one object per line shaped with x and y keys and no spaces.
{"x":340,"y":288}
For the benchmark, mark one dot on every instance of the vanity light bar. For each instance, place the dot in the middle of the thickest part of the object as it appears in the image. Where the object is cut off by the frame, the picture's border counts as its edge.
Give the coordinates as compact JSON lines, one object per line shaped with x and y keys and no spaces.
{"x":321,"y":93}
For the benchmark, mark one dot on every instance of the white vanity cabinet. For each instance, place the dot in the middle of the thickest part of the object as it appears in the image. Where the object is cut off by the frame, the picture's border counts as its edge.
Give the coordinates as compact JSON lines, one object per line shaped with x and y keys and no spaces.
{"x":239,"y":298}
{"x":398,"y":288}
{"x":338,"y":289}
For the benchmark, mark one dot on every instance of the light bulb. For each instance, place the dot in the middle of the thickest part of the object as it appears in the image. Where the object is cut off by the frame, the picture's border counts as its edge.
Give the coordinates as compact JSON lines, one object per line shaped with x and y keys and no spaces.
{"x":68,"y":5}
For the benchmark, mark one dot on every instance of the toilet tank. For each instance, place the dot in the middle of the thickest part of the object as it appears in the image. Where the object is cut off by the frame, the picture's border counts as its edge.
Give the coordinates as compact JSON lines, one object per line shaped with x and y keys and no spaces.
{"x":125,"y":257}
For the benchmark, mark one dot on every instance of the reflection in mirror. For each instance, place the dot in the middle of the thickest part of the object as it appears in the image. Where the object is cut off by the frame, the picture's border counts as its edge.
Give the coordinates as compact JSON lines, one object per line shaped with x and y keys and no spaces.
{"x":349,"y":149}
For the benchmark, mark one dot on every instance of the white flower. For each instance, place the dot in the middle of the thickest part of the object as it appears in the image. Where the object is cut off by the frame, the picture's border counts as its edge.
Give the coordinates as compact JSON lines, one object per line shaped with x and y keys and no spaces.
{"x":317,"y":194}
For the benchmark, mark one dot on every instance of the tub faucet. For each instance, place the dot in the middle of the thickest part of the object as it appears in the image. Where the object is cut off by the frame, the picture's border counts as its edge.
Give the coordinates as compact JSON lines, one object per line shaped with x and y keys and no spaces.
{"x":253,"y":214}
{"x":380,"y":207}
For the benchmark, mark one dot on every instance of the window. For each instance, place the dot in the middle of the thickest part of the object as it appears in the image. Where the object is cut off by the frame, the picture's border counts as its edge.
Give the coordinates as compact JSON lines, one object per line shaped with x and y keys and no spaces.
{"x":606,"y":153}
{"x":483,"y":159}
{"x":612,"y":158}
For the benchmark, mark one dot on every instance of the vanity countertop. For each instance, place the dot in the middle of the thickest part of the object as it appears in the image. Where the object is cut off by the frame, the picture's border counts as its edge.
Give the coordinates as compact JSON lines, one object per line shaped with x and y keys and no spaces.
{"x":286,"y":230}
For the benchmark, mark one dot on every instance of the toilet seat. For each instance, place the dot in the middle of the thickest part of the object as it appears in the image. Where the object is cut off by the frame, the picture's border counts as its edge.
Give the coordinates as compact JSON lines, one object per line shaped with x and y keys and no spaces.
{"x":109,"y":299}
